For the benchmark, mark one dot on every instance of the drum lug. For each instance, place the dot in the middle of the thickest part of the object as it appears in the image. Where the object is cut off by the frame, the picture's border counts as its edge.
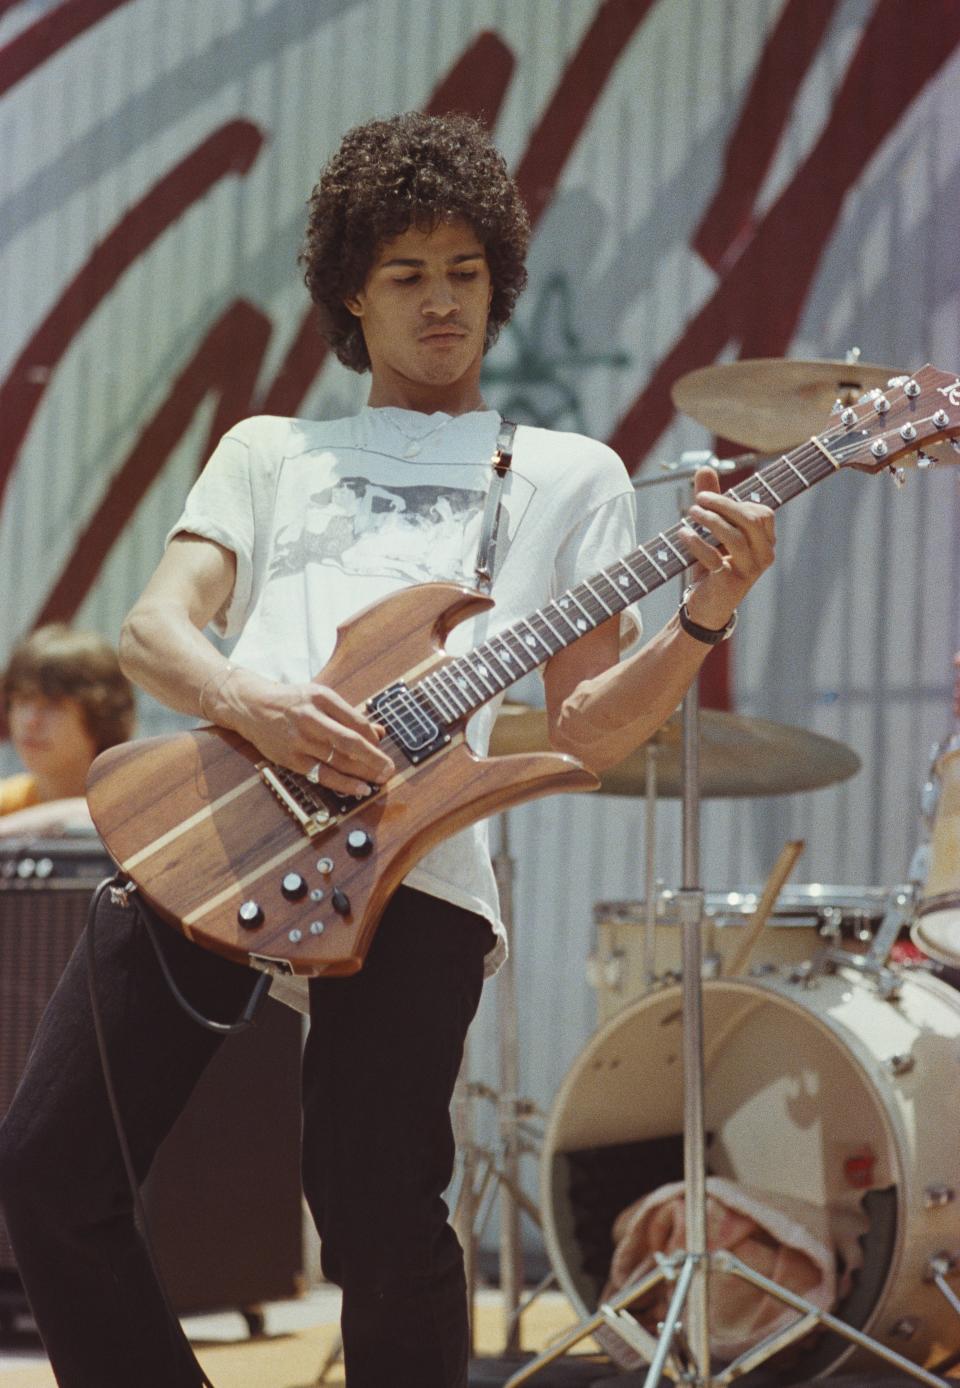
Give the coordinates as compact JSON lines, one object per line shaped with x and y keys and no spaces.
{"x":900,"y":1064}
{"x":889,"y":986}
{"x":936,"y":1197}
{"x":904,"y":1328}
{"x":765,"y":970}
{"x":941,"y":1265}
{"x":804,"y":975}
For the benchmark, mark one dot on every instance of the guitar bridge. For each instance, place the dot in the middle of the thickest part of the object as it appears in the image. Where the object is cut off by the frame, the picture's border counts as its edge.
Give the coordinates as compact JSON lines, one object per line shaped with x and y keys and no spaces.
{"x":300,"y":804}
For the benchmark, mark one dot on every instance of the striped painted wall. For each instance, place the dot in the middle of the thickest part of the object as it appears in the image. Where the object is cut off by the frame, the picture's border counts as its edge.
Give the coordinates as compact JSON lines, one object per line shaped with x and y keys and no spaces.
{"x":709,"y":179}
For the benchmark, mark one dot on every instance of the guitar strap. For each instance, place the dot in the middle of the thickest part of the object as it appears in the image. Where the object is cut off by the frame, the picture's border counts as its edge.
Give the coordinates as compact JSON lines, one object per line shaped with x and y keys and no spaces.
{"x":490,"y":525}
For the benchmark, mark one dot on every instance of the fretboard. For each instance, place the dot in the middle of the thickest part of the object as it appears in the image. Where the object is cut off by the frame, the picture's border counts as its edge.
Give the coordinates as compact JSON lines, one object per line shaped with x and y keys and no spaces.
{"x":467,"y":682}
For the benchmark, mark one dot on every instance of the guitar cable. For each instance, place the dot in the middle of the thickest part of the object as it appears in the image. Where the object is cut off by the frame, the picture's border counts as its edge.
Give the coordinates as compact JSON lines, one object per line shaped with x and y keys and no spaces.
{"x":124,"y":893}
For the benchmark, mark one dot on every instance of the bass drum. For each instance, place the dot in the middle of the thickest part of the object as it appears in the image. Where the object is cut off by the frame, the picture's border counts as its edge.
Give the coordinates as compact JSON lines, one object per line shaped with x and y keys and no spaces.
{"x":833,"y":1092}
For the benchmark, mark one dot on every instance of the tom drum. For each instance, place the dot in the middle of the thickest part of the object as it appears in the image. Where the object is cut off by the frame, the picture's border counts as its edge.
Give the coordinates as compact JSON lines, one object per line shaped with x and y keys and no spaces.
{"x":805,"y":918}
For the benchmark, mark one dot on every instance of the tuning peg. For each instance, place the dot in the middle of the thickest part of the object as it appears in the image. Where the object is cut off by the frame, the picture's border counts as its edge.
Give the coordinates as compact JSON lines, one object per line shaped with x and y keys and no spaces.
{"x":899,"y":477}
{"x":924,"y":460}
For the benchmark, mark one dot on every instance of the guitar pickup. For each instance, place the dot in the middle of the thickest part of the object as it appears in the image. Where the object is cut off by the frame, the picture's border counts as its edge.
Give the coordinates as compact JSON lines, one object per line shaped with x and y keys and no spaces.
{"x":414,"y":729}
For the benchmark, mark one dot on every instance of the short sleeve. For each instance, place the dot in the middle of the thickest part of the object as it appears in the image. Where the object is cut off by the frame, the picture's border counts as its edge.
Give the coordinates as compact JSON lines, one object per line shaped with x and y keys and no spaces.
{"x":605,"y":534}
{"x":220,"y":507}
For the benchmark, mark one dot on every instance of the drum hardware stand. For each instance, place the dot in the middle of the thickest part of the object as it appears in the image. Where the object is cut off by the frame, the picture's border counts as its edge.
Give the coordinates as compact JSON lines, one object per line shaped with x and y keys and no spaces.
{"x":689,"y":1343}
{"x":901,"y":905}
{"x":649,"y":868}
{"x":490,"y":1174}
{"x":938,"y":1269}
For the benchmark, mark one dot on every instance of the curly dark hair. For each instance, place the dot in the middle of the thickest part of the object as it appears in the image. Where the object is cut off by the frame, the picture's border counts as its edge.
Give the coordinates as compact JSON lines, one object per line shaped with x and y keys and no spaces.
{"x":62,"y":662}
{"x":389,"y":175}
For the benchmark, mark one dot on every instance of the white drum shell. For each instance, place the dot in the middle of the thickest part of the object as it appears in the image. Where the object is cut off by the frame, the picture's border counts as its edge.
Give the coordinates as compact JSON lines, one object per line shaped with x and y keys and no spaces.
{"x":936,"y":929}
{"x":797,"y":1080}
{"x":805,"y":919}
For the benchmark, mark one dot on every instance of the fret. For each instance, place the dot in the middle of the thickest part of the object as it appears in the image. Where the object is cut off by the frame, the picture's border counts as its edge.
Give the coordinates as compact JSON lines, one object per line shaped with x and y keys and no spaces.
{"x":427,"y":700}
{"x":530,"y":641}
{"x":466,"y":679}
{"x":559,"y":605}
{"x":684,"y":559}
{"x":604,"y":577}
{"x":623,"y":579}
{"x":522,"y":655}
{"x":609,"y":610}
{"x":759,"y":477}
{"x":653,"y":563}
{"x":537,"y":622}
{"x":795,"y":469}
{"x":635,"y":576}
{"x":488,"y":645}
{"x":454,"y":691}
{"x":442,"y":700}
{"x":476,"y":663}
{"x":587,"y":618}
{"x":564,"y":640}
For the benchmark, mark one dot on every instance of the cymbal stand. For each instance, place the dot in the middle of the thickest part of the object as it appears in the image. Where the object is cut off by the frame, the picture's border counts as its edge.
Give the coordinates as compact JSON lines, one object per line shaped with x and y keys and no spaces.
{"x":650,"y":866}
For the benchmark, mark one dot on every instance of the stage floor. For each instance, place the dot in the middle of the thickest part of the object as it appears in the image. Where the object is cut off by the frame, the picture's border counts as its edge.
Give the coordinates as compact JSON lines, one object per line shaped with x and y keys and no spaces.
{"x":299,"y":1336}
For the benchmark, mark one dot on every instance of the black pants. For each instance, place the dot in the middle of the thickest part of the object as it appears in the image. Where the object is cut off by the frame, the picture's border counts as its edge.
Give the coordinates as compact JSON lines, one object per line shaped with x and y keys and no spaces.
{"x":381,"y":1059}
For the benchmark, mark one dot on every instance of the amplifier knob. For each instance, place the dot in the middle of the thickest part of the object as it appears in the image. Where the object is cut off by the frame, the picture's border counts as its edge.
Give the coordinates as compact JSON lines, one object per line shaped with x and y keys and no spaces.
{"x":250,"y":915}
{"x":293,"y":886}
{"x":340,"y":902}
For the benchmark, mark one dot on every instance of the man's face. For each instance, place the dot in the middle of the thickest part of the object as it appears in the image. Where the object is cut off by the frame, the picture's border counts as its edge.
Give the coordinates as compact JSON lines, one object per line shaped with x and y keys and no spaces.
{"x":424,"y":306}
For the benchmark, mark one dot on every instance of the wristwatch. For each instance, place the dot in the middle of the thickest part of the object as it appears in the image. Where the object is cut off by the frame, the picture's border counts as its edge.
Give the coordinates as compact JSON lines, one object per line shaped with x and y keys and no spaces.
{"x":708,"y":635}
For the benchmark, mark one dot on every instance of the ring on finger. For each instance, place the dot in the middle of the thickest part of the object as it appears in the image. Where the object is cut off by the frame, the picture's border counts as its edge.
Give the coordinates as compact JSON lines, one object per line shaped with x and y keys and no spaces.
{"x":327,"y":760}
{"x":313,"y":775}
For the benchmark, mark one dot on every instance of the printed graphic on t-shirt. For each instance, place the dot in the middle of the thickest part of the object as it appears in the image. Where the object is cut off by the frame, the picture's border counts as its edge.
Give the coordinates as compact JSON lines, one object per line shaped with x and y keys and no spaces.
{"x":418,"y":533}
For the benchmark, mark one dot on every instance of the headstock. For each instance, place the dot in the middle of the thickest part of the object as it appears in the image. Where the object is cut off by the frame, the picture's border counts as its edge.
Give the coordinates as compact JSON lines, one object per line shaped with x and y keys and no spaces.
{"x":884,"y":427}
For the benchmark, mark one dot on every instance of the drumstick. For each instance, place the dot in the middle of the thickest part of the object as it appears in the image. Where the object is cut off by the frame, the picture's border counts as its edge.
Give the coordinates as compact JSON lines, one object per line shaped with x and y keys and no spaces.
{"x":782,"y":869}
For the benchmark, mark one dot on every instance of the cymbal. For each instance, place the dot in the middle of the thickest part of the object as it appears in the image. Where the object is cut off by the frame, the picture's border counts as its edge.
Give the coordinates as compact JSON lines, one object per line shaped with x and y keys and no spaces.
{"x":739,"y":756}
{"x":772,"y":403}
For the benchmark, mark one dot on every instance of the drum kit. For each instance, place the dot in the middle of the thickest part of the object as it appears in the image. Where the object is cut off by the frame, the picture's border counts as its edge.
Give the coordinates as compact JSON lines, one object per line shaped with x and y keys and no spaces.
{"x":765,"y":1034}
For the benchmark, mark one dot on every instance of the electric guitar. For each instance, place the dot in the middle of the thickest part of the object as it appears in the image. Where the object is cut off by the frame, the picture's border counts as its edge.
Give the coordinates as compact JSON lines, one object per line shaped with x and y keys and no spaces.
{"x":255,"y":862}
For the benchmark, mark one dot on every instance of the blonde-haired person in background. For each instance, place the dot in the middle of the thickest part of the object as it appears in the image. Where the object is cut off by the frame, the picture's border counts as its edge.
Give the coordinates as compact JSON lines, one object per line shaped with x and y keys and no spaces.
{"x":65,"y":699}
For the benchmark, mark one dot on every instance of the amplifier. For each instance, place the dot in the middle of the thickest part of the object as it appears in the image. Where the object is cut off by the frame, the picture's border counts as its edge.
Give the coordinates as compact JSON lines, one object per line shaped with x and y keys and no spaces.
{"x":222,"y":1240}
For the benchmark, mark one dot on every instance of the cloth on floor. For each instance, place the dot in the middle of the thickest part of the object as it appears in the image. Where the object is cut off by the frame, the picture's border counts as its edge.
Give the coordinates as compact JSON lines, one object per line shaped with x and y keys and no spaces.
{"x":795,"y":1244}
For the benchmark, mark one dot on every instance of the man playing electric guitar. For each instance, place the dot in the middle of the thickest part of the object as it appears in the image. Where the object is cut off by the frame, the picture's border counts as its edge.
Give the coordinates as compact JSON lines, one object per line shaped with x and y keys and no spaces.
{"x":414,"y":256}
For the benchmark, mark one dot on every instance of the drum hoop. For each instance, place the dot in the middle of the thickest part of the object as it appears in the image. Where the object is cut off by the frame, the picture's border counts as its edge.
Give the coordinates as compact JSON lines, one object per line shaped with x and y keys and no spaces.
{"x":848,"y":1041}
{"x":945,"y":749}
{"x":945,"y":901}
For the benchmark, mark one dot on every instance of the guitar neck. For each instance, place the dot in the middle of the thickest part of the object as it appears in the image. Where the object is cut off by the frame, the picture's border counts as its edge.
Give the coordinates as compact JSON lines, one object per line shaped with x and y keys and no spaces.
{"x":464,"y":684}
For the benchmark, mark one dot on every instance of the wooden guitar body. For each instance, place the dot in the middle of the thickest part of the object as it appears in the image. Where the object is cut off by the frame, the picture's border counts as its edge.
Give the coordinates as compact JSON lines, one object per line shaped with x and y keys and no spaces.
{"x":192,"y":821}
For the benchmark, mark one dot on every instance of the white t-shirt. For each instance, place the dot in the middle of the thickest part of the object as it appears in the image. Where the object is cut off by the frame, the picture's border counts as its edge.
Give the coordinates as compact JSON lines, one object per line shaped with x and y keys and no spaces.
{"x":325,"y":517}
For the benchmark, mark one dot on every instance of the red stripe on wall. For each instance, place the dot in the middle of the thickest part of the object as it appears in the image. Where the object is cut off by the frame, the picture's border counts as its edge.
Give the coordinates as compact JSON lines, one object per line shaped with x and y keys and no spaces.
{"x":34,"y":46}
{"x":231,"y":149}
{"x":227,"y":361}
{"x":759,"y":302}
{"x":578,"y":90}
{"x":784,"y":63}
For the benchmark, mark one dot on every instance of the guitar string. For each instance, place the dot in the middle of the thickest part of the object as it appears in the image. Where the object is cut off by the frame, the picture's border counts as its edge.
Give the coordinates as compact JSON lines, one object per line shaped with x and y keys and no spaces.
{"x":779,"y":471}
